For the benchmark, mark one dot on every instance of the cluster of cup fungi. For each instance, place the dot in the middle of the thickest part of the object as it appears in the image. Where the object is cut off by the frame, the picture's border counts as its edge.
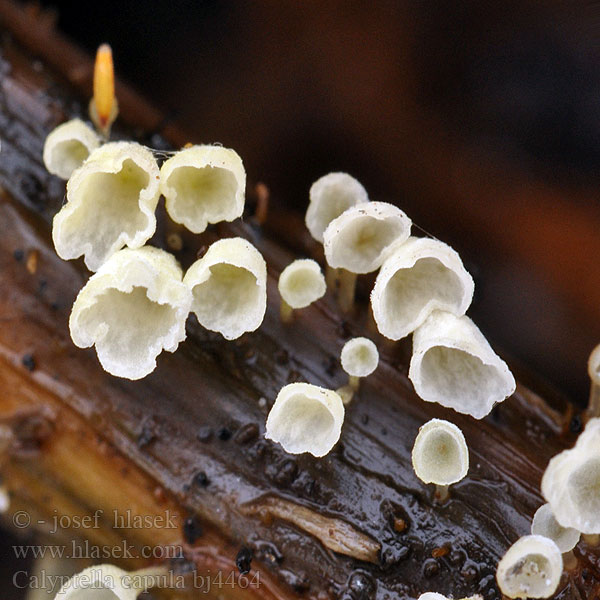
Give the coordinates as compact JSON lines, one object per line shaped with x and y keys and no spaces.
{"x":137,"y":301}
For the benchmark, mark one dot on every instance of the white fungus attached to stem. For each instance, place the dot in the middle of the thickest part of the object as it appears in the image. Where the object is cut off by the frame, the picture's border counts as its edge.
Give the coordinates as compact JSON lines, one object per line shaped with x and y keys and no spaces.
{"x":440,"y":455}
{"x":229,"y":287}
{"x":306,"y":418}
{"x":418,"y":277}
{"x":111,"y":200}
{"x":531,"y":568}
{"x":202,"y":185}
{"x":454,"y":365}
{"x":300,"y":284}
{"x":593,"y":409}
{"x":359,"y":358}
{"x":544,"y":523}
{"x":134,"y":307}
{"x":107,"y":582}
{"x":68,"y":146}
{"x":571,"y":482}
{"x":330,"y":196}
{"x":359,"y":238}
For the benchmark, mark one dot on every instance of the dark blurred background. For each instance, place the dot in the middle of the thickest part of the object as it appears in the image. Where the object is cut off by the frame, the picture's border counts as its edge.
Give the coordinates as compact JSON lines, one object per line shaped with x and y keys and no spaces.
{"x":480,"y":119}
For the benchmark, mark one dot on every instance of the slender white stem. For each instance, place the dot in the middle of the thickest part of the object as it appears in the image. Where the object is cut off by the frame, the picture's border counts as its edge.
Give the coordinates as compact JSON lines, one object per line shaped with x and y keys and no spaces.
{"x":441,"y":493}
{"x":286,"y":312}
{"x":346,"y":290}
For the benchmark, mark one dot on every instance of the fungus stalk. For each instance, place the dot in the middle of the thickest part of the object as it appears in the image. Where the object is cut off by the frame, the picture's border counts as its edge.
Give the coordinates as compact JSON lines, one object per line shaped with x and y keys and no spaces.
{"x":306,"y":418}
{"x":440,"y":456}
{"x":346,"y":289}
{"x":300,"y":284}
{"x":359,"y":358}
{"x":593,"y":409}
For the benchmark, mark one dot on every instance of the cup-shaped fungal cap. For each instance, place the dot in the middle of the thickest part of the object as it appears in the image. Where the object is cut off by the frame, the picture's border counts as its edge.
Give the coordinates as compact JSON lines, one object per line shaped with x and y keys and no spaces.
{"x":360,"y":238}
{"x":106,"y":582}
{"x":111,"y":201}
{"x":454,"y":365}
{"x":134,"y":307}
{"x":418,"y":277}
{"x":229,"y":286}
{"x":359,"y":357}
{"x":594,"y":366}
{"x":306,"y":418}
{"x":571,"y":483}
{"x":531,"y":568}
{"x":330,"y":196}
{"x":301,"y":283}
{"x":440,"y":454}
{"x":202,"y":185}
{"x":68,"y":146}
{"x":544,"y":524}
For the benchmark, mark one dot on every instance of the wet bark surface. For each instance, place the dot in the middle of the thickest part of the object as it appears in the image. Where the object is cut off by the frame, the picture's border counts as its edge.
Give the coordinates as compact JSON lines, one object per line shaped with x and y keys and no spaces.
{"x":355,"y":524}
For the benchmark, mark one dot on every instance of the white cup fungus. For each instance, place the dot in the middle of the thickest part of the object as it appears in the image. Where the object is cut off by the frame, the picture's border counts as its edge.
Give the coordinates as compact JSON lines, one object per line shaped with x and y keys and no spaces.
{"x":436,"y":596}
{"x":593,"y":409}
{"x":300,"y":284}
{"x":68,"y":146}
{"x":359,"y":238}
{"x":306,"y":418}
{"x":359,"y":358}
{"x":545,"y":524}
{"x":531,"y":568}
{"x":454,"y":365}
{"x":571,"y":482}
{"x":229,"y":287}
{"x":440,"y":455}
{"x":107,"y":582}
{"x":202,"y":185}
{"x":134,"y":307}
{"x":111,"y":200}
{"x":330,"y":196}
{"x":418,"y":277}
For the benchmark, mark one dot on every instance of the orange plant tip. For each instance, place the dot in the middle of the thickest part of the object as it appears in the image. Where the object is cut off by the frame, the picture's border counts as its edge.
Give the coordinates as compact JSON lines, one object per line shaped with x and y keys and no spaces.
{"x":105,"y":106}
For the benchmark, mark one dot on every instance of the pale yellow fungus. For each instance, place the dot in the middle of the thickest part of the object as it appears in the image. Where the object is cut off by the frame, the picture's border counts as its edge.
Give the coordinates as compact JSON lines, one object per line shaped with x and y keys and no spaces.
{"x":111,"y":200}
{"x":454,"y":365}
{"x":132,"y":309}
{"x":306,"y":418}
{"x":440,"y":455}
{"x":202,"y":185}
{"x":229,"y":287}
{"x":359,"y":358}
{"x":544,"y":523}
{"x":419,"y":276}
{"x":571,"y":483}
{"x":330,"y":196}
{"x":593,"y":409}
{"x":300,"y":284}
{"x":531,"y":568}
{"x":67,"y":147}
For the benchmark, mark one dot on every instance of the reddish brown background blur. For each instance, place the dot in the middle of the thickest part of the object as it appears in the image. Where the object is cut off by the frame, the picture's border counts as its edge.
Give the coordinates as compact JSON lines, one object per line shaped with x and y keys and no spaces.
{"x":480,"y":119}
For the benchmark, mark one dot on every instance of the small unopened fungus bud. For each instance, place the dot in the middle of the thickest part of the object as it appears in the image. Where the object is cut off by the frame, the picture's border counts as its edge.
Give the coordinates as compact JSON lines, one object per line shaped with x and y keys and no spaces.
{"x":107,"y":582}
{"x":436,"y":596}
{"x":111,"y":200}
{"x":300,"y":284}
{"x":571,"y":483}
{"x":68,"y":146}
{"x":440,"y":455}
{"x":103,"y":106}
{"x":420,"y":276}
{"x":134,"y":307}
{"x":566,"y":538}
{"x":359,"y":358}
{"x":358,"y":239}
{"x":454,"y":365}
{"x":330,"y":196}
{"x":593,"y":409}
{"x":202,"y":185}
{"x":306,"y":418}
{"x":531,"y":568}
{"x":229,"y":286}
